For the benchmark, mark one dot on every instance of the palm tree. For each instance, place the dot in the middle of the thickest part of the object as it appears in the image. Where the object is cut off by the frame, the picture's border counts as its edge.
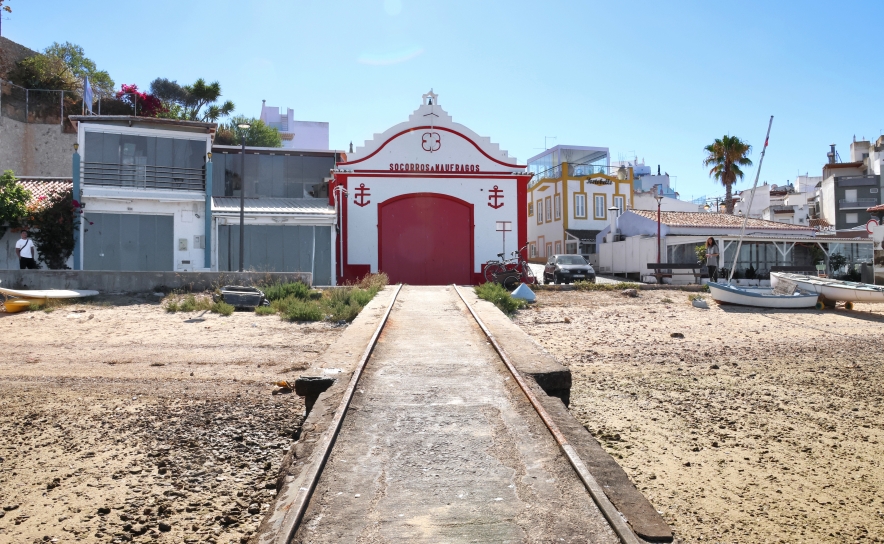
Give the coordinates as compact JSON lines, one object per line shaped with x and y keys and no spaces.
{"x":726,"y":156}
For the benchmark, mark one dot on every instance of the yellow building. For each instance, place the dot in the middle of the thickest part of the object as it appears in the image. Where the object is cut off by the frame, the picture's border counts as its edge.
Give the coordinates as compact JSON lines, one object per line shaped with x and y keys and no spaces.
{"x":569,"y":199}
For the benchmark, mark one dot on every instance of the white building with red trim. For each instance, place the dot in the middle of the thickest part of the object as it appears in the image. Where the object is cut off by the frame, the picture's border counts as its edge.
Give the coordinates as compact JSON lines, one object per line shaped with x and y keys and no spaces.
{"x":422,"y":202}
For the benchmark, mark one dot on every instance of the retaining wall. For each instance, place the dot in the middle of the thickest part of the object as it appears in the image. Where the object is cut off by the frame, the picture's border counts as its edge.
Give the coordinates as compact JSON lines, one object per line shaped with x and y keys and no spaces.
{"x":110,"y":282}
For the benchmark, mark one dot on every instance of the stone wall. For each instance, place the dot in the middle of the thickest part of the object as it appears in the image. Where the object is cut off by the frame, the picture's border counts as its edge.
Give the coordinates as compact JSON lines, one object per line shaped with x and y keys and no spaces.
{"x":31,"y":149}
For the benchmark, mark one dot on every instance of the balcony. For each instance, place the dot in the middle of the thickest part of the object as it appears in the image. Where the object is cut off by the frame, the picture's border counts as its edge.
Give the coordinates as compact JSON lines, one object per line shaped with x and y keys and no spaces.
{"x":783,"y":209}
{"x":144,"y":177}
{"x":857,"y":203}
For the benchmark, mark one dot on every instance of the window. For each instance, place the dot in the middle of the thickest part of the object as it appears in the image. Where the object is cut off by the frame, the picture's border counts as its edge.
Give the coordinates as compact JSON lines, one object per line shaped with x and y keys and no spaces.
{"x":548,"y":209}
{"x":558,"y":248}
{"x":618,"y":203}
{"x":850,"y":195}
{"x":549,"y":248}
{"x":530,"y":209}
{"x":532,"y":250}
{"x":600,"y":212}
{"x":539,"y":212}
{"x":558,"y":200}
{"x":580,"y":205}
{"x":851,"y":218}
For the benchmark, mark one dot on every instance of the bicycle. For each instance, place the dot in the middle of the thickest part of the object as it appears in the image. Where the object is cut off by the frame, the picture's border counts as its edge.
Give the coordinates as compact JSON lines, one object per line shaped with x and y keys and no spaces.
{"x":510,"y":272}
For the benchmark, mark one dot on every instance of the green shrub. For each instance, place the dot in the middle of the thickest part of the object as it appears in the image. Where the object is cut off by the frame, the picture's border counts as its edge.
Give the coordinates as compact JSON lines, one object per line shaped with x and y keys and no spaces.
{"x":222,"y":308}
{"x":500,"y":297}
{"x":187,"y":303}
{"x":265,"y":310}
{"x":280,"y":290}
{"x":299,"y":310}
{"x":619,"y":286}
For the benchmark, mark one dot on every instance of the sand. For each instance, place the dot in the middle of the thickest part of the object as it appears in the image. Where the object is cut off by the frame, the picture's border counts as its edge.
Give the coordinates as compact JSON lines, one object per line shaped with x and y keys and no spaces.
{"x":122,"y":422}
{"x":757,"y":426}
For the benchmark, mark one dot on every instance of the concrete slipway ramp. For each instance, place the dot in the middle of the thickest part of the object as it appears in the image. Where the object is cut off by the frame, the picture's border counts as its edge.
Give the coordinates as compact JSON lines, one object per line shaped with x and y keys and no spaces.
{"x":440,"y":444}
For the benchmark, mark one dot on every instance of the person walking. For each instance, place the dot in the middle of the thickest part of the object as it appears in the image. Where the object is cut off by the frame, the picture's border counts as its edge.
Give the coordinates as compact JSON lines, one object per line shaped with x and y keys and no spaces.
{"x":24,"y":248}
{"x":712,"y":258}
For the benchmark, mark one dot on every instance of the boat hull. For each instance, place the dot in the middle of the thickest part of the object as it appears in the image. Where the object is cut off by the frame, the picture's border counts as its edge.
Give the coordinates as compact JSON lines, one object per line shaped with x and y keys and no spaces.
{"x":832,"y":290}
{"x":759,"y":297}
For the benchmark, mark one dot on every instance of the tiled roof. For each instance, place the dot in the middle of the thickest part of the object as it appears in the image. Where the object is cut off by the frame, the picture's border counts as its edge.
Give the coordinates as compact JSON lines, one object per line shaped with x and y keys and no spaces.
{"x":42,"y":187}
{"x":715,"y":221}
{"x":817,"y":223}
{"x":226,"y":204}
{"x":878,"y":208}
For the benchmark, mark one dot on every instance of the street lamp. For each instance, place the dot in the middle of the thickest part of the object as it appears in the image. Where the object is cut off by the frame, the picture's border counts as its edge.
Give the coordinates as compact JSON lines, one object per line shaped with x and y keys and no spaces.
{"x":242,"y":196}
{"x":659,"y":199}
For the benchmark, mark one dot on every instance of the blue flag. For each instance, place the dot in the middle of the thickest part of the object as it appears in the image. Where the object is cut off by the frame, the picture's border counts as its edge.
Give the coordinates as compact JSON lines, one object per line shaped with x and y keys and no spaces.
{"x":87,"y":94}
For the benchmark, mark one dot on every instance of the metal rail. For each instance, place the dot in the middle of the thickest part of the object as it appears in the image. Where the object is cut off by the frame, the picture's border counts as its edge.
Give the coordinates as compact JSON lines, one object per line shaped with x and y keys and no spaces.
{"x":296,"y":510}
{"x":618,"y":524}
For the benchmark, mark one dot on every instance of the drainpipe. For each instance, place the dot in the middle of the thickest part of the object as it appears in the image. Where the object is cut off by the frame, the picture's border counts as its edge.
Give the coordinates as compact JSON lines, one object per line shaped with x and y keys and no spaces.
{"x":207,"y":252}
{"x":75,"y":175}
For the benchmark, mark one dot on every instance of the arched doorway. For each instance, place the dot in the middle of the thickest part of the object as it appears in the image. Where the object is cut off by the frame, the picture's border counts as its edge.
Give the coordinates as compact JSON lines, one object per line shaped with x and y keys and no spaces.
{"x":426,"y":239}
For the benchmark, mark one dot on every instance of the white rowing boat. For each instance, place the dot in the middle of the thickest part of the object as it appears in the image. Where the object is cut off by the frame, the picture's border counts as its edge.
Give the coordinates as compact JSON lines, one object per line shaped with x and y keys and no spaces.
{"x":828,"y":289}
{"x":47,"y":293}
{"x":759,"y":297}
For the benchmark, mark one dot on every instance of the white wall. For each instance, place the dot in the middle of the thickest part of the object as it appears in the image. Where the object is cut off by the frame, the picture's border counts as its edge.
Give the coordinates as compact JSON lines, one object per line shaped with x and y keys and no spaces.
{"x":309,"y":135}
{"x":827,"y":200}
{"x":629,"y":256}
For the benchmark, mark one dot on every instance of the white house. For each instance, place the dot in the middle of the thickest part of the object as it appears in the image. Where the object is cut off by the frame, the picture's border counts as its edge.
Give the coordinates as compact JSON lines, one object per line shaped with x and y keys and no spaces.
{"x":305,"y":135}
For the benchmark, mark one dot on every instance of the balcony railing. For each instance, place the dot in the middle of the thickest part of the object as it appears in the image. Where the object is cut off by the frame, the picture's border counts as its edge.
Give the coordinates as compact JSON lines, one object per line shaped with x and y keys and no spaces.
{"x":782,"y":209}
{"x":857,"y":203}
{"x":136,"y":176}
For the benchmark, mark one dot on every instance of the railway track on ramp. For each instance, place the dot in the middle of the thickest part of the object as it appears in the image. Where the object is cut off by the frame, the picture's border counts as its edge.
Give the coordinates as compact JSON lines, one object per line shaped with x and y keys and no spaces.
{"x":439,"y":438}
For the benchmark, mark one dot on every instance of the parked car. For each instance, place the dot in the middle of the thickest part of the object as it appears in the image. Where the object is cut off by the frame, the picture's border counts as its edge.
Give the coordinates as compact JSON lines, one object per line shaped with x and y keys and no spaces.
{"x":567,"y":268}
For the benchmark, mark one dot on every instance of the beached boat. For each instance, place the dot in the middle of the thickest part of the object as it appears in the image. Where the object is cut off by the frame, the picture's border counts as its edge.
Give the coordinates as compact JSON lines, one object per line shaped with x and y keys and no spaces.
{"x":759,"y":297}
{"x":829,"y":290}
{"x":17,"y":300}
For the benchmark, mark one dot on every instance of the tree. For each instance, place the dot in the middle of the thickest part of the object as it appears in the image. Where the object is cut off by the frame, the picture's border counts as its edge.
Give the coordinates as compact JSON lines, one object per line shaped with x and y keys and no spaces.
{"x":726,"y":156}
{"x":13,"y":201}
{"x":195,"y":102}
{"x":44,"y":72}
{"x":74,"y":57}
{"x":52,"y":221}
{"x":257,"y":135}
{"x":143,"y":104}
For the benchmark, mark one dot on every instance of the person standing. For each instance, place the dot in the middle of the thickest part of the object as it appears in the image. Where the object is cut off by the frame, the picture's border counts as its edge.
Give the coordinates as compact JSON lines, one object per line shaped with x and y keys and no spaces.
{"x":24,"y":248}
{"x":712,"y":258}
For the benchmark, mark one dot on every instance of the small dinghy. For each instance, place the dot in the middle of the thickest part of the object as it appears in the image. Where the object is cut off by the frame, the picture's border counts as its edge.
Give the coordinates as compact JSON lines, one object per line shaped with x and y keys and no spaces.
{"x":760,"y":297}
{"x":17,"y":300}
{"x":829,"y":290}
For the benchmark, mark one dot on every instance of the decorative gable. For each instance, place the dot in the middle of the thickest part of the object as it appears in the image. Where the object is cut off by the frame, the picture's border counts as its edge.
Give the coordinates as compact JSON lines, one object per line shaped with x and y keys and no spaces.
{"x":431,"y":142}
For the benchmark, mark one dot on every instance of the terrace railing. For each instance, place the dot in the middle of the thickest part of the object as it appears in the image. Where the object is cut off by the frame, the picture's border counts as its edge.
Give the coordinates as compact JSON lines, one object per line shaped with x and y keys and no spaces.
{"x":136,"y":176}
{"x":857,"y":203}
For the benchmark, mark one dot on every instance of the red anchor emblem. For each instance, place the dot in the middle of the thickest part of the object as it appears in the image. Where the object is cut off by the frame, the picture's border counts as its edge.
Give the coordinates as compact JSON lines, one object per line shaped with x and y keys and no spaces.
{"x":361,"y":192}
{"x":496,"y":194}
{"x":431,"y":141}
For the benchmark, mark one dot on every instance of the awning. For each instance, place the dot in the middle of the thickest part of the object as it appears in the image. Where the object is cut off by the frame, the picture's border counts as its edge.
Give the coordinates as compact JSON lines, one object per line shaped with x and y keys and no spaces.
{"x":276,"y":206}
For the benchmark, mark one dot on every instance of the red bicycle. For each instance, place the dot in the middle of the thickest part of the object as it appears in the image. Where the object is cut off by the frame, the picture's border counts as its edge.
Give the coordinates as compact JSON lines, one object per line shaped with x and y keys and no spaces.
{"x":511,"y":272}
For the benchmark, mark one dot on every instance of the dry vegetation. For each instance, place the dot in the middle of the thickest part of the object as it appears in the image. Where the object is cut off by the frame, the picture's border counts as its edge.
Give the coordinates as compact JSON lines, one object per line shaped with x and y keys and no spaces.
{"x":757,"y":426}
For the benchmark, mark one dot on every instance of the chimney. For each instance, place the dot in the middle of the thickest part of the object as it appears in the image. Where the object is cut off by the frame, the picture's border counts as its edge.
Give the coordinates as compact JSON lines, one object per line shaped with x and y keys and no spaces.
{"x":613,"y":212}
{"x":658,"y":169}
{"x":831,"y":154}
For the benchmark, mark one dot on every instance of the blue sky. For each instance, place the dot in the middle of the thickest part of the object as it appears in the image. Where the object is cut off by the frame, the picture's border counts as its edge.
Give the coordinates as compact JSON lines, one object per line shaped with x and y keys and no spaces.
{"x":658,"y":80}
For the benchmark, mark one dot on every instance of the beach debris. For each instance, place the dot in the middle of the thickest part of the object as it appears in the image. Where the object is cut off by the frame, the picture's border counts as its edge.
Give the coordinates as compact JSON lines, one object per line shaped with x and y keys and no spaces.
{"x":676,"y":335}
{"x":699,"y":303}
{"x":629,"y":293}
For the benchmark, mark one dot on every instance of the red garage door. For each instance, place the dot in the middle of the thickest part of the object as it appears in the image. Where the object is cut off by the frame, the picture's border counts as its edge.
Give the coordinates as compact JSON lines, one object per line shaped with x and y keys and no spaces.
{"x":426,"y":239}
